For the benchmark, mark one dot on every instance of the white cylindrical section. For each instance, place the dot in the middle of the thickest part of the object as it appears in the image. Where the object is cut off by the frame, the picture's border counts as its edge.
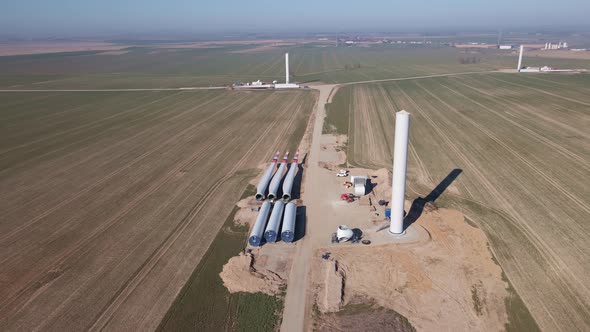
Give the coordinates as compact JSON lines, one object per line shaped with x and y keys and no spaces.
{"x":264,"y":180}
{"x":288,"y":229}
{"x":400,"y":158}
{"x":520,"y":58}
{"x":287,"y":68}
{"x":256,"y":234}
{"x":272,"y":229}
{"x":289,"y":179}
{"x":273,"y":188}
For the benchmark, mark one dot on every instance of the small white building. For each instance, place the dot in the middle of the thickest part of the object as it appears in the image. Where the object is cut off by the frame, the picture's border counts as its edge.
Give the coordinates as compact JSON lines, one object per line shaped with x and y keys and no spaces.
{"x":286,"y":86}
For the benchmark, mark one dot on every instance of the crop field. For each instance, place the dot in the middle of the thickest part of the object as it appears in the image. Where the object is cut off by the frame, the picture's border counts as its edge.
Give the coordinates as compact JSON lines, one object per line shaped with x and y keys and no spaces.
{"x":522,"y":143}
{"x":108,"y":201}
{"x":151,"y":67}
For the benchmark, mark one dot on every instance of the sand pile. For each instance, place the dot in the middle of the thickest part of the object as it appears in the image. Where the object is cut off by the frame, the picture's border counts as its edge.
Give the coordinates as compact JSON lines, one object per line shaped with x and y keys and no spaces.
{"x":239,"y":275}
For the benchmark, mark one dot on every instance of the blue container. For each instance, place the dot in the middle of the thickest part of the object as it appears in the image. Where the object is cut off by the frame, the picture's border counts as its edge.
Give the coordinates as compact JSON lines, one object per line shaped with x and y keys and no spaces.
{"x":388,"y":213}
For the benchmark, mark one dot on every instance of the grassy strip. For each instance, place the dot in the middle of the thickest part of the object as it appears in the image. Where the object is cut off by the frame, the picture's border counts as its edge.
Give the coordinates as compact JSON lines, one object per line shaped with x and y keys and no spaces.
{"x":338,"y":111}
{"x":519,"y":316}
{"x":258,"y":312}
{"x":204,"y":304}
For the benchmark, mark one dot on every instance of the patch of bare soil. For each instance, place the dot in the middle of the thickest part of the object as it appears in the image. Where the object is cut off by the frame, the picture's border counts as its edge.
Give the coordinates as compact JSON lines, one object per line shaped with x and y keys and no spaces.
{"x":239,"y":275}
{"x":247,"y":212}
{"x":433,"y":283}
{"x":333,"y":155}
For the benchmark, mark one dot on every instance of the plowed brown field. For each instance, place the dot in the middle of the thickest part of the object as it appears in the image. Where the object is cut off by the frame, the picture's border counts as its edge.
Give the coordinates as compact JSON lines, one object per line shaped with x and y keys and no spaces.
{"x":524,"y":147}
{"x":109,"y":200}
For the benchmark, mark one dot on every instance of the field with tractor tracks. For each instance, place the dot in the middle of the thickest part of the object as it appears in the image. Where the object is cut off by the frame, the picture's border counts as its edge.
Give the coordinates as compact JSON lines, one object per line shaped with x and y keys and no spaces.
{"x":523,"y":145}
{"x":108,"y":201}
{"x":155,"y":66}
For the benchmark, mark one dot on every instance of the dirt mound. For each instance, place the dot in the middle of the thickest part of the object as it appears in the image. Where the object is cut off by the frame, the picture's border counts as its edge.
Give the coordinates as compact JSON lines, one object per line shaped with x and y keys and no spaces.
{"x":239,"y":275}
{"x":331,"y":294}
{"x":452,"y":275}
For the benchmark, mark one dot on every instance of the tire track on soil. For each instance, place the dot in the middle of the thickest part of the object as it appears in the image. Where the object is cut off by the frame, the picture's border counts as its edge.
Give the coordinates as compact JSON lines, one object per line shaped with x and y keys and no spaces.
{"x":105,"y":316}
{"x":87,"y":189}
{"x":200,"y":154}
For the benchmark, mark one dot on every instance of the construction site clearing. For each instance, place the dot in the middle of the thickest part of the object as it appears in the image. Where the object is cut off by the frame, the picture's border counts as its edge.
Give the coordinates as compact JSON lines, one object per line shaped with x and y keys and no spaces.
{"x":441,"y":269}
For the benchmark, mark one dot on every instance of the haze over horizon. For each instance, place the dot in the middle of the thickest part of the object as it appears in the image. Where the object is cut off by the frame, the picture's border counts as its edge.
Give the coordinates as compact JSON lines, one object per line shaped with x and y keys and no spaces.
{"x":68,"y":18}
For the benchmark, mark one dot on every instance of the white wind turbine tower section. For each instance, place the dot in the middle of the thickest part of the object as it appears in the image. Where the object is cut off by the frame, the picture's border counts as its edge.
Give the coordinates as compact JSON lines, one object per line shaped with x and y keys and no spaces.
{"x":286,"y":68}
{"x":520,"y":58}
{"x":273,"y":188}
{"x":400,"y":158}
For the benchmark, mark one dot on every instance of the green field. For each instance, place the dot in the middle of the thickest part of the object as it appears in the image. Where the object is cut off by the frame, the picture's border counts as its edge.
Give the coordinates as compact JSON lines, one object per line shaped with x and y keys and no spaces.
{"x":523,"y":145}
{"x":205,"y":304}
{"x":151,"y":67}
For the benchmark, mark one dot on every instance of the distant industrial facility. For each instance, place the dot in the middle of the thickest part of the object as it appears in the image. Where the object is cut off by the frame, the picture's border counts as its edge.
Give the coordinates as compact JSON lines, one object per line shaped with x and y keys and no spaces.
{"x":555,"y":46}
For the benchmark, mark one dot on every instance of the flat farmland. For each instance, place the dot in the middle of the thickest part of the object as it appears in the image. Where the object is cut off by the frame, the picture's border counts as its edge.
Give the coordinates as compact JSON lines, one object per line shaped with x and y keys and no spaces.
{"x":109,"y":200}
{"x":158,"y":67}
{"x":523,"y":145}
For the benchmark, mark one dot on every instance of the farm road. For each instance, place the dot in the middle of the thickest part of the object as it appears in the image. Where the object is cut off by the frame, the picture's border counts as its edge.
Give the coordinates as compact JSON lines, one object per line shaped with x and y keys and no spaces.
{"x":115,"y":90}
{"x":223,"y":87}
{"x":296,"y":300}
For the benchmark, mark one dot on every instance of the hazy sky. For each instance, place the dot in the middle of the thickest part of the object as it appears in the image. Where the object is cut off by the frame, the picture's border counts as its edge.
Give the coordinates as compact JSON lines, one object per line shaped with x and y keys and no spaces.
{"x":87,"y":17}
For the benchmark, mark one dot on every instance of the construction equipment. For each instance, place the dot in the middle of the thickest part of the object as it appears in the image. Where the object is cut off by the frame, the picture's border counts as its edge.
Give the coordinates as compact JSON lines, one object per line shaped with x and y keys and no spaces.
{"x":342,"y":173}
{"x":347,"y":184}
{"x":347,"y":197}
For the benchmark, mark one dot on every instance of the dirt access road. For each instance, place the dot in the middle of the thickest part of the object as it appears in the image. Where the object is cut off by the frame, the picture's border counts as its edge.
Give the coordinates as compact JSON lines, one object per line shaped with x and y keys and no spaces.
{"x":296,"y":299}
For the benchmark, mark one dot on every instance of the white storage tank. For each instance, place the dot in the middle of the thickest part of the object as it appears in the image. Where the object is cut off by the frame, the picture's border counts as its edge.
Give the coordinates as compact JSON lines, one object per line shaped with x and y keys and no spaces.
{"x":272,"y":229}
{"x":288,"y":229}
{"x":256,"y":234}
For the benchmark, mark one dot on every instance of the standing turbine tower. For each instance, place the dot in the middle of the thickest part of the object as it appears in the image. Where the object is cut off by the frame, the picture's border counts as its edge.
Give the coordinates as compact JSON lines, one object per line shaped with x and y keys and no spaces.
{"x":287,"y":68}
{"x":520,"y":58}
{"x":400,"y":158}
